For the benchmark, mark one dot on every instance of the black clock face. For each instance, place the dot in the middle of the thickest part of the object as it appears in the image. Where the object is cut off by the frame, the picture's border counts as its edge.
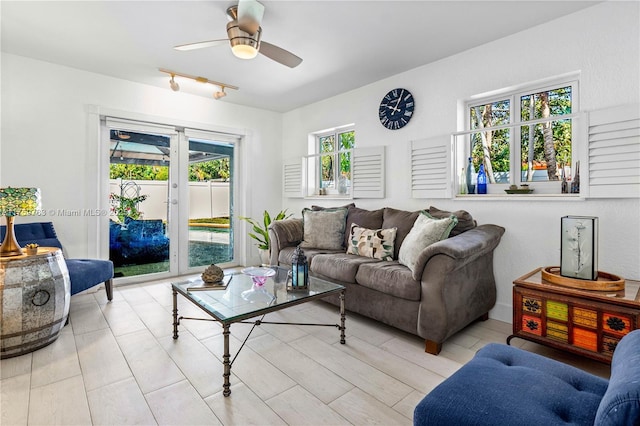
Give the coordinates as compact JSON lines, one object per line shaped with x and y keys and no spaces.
{"x":396,"y":109}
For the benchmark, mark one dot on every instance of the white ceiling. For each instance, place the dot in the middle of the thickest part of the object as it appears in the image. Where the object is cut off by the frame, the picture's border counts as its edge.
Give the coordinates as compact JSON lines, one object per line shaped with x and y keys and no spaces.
{"x":344,"y":44}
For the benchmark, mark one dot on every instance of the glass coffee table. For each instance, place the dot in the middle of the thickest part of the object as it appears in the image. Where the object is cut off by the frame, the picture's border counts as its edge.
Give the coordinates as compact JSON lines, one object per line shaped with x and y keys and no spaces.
{"x":241,"y":300}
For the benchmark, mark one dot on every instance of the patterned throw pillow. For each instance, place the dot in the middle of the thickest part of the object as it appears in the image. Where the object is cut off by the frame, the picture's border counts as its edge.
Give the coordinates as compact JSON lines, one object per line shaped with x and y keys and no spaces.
{"x":374,"y":243}
{"x":426,"y":230}
{"x":324,"y":229}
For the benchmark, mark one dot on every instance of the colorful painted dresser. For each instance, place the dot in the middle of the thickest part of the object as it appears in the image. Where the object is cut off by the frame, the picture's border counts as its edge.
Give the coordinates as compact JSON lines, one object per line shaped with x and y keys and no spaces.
{"x":584,"y":322}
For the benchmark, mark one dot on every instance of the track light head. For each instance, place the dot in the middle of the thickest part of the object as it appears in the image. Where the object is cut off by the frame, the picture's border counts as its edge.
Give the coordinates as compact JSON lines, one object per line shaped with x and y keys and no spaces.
{"x":172,"y":83}
{"x":220,"y":94}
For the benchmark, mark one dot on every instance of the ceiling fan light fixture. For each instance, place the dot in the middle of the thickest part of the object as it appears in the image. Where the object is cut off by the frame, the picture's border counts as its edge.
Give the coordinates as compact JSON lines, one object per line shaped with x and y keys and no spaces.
{"x":243,"y":44}
{"x":173,"y":84}
{"x":244,"y":51}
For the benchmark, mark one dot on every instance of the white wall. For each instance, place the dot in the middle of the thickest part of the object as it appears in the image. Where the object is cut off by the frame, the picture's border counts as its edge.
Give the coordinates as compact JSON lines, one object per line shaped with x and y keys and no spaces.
{"x":45,"y":140}
{"x":601,"y":43}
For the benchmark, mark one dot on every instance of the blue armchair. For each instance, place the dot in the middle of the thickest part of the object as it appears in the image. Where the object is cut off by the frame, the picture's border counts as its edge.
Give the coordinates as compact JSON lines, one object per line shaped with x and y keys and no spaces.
{"x":503,"y":385}
{"x":83,"y":273}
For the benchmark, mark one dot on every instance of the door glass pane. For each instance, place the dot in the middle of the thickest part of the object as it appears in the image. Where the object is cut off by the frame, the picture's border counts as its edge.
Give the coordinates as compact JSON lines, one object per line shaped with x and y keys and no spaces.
{"x":210,"y":202}
{"x":139,"y":171}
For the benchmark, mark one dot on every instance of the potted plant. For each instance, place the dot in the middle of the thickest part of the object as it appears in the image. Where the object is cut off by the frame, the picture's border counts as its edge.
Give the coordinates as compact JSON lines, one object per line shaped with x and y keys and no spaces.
{"x":261,"y":233}
{"x":126,"y":207}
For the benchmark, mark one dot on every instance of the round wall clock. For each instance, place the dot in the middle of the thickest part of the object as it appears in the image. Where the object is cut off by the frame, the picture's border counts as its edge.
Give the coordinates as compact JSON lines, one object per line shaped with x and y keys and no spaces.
{"x":396,"y":109}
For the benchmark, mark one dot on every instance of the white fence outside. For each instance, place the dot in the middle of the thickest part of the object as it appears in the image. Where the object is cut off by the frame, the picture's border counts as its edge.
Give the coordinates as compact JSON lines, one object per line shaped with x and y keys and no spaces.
{"x":206,"y":199}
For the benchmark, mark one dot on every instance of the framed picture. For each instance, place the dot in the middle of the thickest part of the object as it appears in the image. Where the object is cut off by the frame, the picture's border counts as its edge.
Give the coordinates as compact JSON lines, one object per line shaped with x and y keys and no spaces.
{"x":579,"y":247}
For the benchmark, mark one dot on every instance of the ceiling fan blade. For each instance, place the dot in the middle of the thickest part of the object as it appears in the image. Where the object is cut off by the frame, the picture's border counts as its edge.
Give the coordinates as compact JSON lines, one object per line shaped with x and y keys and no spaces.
{"x":280,"y":55}
{"x":250,"y":13}
{"x":201,"y":44}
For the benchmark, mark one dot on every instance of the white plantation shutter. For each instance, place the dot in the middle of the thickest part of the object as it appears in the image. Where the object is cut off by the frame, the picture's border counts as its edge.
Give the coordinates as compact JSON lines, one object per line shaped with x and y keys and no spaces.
{"x":292,"y":178}
{"x":614,"y":153}
{"x":367,"y":172}
{"x":431,"y":168}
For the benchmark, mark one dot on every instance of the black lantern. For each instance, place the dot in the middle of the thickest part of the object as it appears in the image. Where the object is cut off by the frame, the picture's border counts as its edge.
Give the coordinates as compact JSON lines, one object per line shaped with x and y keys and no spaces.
{"x":299,"y":270}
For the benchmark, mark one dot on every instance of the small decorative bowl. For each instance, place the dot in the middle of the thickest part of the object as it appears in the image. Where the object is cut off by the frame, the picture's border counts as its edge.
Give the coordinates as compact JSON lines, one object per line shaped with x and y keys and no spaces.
{"x":258,"y":275}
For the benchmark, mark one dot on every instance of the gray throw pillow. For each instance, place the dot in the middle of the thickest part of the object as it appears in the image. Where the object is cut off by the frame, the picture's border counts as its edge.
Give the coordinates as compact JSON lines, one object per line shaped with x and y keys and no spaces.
{"x":426,"y":230}
{"x":465,"y":221}
{"x":371,"y":219}
{"x":400,"y":219}
{"x":324,"y":229}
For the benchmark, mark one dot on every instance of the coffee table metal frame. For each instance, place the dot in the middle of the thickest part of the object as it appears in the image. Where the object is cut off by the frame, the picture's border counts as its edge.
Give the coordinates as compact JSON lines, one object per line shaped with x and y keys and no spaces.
{"x":226,"y":322}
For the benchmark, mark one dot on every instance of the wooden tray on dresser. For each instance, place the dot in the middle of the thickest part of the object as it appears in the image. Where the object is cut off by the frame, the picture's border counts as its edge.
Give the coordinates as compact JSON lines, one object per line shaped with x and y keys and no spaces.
{"x":605,"y":281}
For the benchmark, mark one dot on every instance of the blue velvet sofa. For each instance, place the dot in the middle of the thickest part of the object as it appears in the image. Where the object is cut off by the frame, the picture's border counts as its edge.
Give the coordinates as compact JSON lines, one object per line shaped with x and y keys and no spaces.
{"x":503,"y":385}
{"x":83,"y":273}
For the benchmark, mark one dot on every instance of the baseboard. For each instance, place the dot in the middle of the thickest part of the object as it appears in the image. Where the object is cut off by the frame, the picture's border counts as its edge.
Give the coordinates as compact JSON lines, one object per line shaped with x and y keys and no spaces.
{"x":502,"y":312}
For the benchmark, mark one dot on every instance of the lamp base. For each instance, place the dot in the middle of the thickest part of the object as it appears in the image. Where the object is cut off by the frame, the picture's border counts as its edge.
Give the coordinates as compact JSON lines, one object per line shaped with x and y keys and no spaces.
{"x":10,"y":246}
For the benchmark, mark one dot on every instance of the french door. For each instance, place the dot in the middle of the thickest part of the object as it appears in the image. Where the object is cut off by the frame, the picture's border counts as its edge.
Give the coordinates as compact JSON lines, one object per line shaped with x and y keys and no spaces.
{"x":171,"y":199}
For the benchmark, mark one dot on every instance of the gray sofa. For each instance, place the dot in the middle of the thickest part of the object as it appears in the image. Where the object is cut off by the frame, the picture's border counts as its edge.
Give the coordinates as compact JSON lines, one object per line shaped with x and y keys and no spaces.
{"x":451,"y":285}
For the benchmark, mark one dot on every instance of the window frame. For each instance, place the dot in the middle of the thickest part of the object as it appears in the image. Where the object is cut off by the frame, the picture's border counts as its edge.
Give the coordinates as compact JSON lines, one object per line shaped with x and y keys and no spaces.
{"x":515,"y":126}
{"x":314,"y":166}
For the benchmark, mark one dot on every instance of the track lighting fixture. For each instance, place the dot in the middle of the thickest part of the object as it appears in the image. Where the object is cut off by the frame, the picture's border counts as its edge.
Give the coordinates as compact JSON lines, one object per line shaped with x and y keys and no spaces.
{"x":220,"y":94}
{"x":172,"y":83}
{"x":175,"y":87}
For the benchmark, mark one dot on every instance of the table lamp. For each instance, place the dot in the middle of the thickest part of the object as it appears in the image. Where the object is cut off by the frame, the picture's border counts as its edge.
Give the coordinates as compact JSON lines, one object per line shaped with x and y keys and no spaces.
{"x":16,"y":202}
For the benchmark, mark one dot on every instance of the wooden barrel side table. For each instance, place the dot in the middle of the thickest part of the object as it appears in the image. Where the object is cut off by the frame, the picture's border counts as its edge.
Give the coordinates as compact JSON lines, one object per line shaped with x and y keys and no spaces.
{"x":34,"y":300}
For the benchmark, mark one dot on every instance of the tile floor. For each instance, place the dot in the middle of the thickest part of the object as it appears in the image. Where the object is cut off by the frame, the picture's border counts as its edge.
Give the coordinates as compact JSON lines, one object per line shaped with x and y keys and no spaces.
{"x":116,"y":364}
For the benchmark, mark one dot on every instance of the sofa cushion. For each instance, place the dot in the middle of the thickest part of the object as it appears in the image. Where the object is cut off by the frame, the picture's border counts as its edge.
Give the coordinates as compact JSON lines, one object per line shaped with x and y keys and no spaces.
{"x":374,"y":243}
{"x":285,"y":254}
{"x":401,"y":219}
{"x":371,"y":219}
{"x":425,"y":231}
{"x":342,"y":267}
{"x":389,"y":278}
{"x":503,"y":385}
{"x":324,"y":229}
{"x":620,"y":404}
{"x":465,"y":220}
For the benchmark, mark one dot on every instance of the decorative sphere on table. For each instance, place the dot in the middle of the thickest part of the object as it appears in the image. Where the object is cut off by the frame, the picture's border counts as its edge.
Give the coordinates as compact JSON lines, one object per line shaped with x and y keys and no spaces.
{"x":213,"y":274}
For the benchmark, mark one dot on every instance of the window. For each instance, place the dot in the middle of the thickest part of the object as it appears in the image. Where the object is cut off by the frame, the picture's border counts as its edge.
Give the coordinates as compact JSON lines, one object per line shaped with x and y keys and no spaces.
{"x":523,"y":137}
{"x":329,"y":165}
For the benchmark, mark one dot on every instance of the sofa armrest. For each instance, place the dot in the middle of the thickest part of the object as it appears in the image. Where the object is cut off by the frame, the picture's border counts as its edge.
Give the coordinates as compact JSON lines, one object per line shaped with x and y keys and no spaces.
{"x":284,"y":233}
{"x":463,"y":247}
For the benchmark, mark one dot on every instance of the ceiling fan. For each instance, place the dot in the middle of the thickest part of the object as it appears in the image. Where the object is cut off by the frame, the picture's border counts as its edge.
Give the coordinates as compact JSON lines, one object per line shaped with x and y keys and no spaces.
{"x":244,"y":34}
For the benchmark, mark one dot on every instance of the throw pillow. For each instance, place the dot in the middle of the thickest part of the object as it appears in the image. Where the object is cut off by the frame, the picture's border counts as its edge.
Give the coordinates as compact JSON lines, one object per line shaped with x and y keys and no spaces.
{"x":346,"y":206}
{"x":371,"y":219}
{"x":465,"y":221}
{"x":323,"y":229}
{"x":426,"y":231}
{"x":401,"y":219}
{"x":373,"y":243}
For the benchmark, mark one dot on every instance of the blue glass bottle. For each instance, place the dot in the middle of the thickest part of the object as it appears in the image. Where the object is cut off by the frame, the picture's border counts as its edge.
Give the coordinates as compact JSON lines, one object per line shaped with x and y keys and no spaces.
{"x":482,"y":180}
